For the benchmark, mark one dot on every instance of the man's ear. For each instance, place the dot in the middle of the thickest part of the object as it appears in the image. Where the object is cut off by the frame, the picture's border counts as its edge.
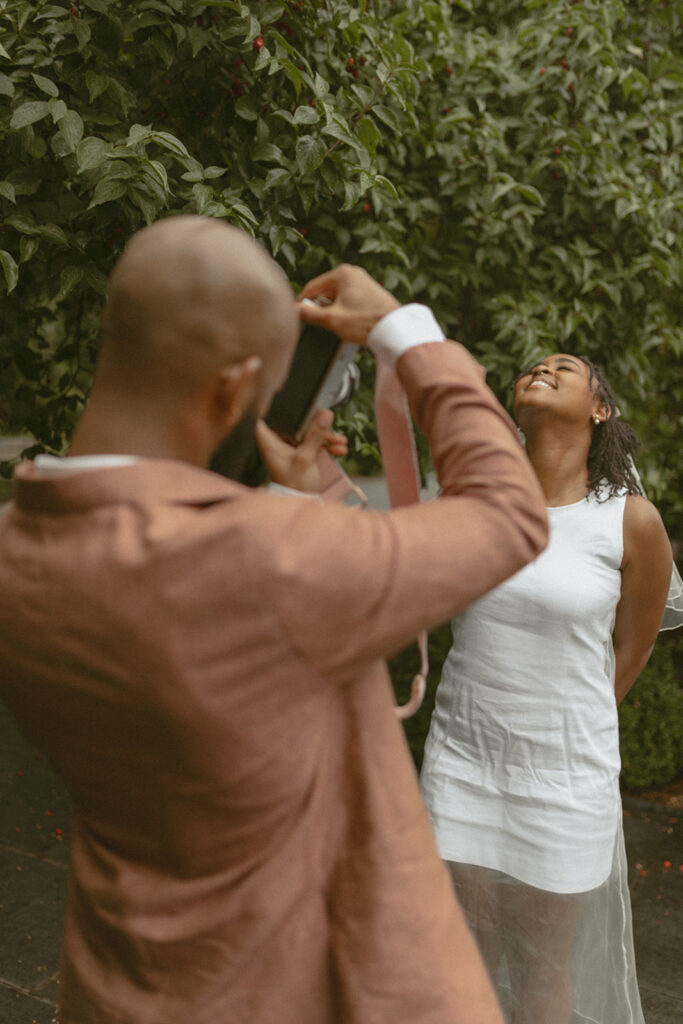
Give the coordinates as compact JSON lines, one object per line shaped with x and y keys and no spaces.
{"x":235,"y":391}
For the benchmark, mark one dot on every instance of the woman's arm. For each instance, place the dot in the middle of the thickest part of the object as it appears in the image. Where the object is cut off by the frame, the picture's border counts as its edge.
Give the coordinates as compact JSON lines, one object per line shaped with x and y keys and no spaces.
{"x":645,"y":577}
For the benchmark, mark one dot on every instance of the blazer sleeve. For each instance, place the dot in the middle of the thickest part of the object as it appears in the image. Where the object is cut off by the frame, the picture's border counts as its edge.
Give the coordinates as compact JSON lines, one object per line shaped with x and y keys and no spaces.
{"x":351,"y":585}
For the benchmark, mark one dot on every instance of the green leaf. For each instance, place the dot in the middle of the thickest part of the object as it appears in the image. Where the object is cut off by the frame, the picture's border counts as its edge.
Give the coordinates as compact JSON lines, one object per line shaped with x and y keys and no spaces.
{"x":106,"y":191}
{"x":58,"y":109}
{"x":266,"y":152}
{"x":96,"y":280}
{"x":532,"y":194}
{"x":368,"y":133}
{"x":306,"y":115}
{"x":53,"y":233}
{"x":29,"y":113}
{"x":96,"y":83}
{"x":51,"y":11}
{"x":44,"y":84}
{"x":247,"y":108}
{"x":270,"y":11}
{"x":352,"y":194}
{"x":71,"y":127}
{"x":81,"y":29}
{"x":92,"y":152}
{"x":387,"y":116}
{"x":22,"y":224}
{"x":277,"y":176}
{"x":169,"y":142}
{"x":7,"y":190}
{"x":387,"y":185}
{"x":11,"y":270}
{"x":70,"y":277}
{"x":203,"y":194}
{"x":214,"y":172}
{"x":6,"y":85}
{"x":310,"y":153}
{"x":293,"y":74}
{"x":28,"y":247}
{"x":321,"y":86}
{"x":263,"y":59}
{"x":138,"y":133}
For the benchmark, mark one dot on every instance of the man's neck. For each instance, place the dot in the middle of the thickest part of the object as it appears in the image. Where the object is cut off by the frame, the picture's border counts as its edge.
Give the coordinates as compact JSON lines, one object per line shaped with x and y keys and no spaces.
{"x":105,"y":430}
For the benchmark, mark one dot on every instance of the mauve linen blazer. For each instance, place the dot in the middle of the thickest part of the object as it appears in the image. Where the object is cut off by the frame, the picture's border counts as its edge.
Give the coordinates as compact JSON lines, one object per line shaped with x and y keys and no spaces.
{"x":203,"y":663}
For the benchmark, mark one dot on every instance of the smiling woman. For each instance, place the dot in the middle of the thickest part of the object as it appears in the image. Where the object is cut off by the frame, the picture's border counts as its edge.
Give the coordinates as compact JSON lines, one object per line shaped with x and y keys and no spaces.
{"x":612,"y":447}
{"x":521,"y":768}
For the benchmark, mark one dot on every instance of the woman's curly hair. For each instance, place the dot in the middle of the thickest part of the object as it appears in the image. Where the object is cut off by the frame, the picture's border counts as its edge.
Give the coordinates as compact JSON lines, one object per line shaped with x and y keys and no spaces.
{"x":611,"y":469}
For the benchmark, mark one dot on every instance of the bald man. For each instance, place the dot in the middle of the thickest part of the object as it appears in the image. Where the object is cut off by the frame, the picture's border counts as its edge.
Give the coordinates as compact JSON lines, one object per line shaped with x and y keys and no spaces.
{"x":204,"y":662}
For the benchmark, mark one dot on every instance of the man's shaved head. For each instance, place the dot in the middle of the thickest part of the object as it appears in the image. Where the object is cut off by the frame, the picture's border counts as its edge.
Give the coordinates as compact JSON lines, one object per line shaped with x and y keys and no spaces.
{"x":188,"y":296}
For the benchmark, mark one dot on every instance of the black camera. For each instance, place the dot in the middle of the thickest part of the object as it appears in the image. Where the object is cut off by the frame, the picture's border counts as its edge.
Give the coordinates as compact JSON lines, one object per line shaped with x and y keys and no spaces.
{"x":323,"y":375}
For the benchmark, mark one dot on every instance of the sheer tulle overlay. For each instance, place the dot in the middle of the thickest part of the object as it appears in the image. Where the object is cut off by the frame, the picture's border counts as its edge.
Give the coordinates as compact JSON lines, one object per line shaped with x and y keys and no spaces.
{"x":555,"y":958}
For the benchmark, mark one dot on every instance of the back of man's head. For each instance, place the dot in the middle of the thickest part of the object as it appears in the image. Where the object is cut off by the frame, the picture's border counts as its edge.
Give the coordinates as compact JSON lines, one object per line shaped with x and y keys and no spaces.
{"x":190,"y":295}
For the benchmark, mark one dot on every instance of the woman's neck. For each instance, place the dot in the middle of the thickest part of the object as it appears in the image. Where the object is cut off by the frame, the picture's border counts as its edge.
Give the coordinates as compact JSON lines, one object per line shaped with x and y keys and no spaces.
{"x":561,"y":467}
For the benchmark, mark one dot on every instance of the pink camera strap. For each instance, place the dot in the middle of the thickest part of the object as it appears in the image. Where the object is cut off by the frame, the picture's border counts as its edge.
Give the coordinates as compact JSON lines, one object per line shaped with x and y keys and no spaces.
{"x":399,"y":458}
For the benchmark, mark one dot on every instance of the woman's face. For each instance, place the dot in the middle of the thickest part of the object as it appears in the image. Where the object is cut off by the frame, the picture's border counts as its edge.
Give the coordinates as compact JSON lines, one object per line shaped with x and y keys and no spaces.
{"x":559,"y":385}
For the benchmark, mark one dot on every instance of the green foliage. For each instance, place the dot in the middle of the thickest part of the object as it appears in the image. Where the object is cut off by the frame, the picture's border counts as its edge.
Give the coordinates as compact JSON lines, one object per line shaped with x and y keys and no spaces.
{"x":515,"y":165}
{"x":651,"y":719}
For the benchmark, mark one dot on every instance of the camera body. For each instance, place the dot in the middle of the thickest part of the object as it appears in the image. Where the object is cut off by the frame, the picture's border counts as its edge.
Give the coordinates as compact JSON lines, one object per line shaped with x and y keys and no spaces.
{"x":323,"y":375}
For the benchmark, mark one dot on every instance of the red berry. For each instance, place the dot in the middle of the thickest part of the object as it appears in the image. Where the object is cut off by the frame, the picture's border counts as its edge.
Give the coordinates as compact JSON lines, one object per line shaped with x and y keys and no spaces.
{"x":350,"y":62}
{"x":362,"y":61}
{"x":564,"y":64}
{"x":571,"y":87}
{"x":666,"y":864}
{"x":355,"y":72}
{"x":569,"y":32}
{"x":642,"y":872}
{"x":303,"y":231}
{"x":311,"y":103}
{"x":259,"y":42}
{"x":557,"y":175}
{"x":73,"y":12}
{"x":557,"y":151}
{"x":366,"y":207}
{"x":20,"y":774}
{"x":59,"y":831}
{"x":541,"y":71}
{"x":445,"y":110}
{"x":238,"y":62}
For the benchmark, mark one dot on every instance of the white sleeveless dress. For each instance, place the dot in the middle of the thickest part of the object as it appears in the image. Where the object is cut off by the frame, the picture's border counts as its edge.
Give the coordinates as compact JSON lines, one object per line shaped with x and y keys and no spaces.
{"x":521,"y":765}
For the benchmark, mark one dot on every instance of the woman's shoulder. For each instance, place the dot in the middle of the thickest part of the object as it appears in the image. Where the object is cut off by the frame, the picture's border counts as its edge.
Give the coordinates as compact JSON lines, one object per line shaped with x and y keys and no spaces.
{"x":642,"y":522}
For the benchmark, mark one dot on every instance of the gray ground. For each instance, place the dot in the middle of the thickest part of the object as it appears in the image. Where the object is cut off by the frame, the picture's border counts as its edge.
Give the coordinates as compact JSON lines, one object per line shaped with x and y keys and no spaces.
{"x":34,"y":837}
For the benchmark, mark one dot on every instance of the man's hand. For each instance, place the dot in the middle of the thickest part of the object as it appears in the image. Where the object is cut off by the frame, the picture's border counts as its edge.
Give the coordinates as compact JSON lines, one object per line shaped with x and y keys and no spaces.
{"x":297,"y":466}
{"x":356,"y":302}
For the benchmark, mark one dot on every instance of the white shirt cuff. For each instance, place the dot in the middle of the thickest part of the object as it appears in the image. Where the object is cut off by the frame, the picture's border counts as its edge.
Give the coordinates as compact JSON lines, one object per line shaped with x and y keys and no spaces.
{"x":405,"y":328}
{"x":282,"y":489}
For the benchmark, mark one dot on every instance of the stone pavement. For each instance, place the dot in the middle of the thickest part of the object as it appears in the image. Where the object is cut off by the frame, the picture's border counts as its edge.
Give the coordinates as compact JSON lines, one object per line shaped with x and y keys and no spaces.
{"x":34,"y":836}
